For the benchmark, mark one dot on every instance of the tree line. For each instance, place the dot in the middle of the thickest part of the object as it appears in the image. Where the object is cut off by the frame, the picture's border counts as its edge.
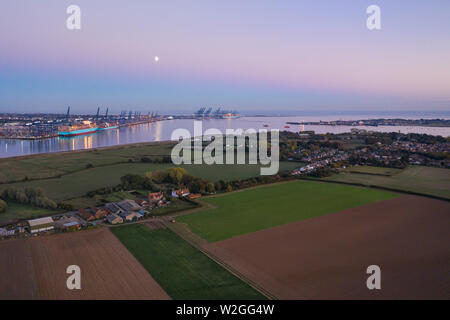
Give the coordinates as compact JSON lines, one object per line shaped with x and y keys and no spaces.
{"x":30,"y":196}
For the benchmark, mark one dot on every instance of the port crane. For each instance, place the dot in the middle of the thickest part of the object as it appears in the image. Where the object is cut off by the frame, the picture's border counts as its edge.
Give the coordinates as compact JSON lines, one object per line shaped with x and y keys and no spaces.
{"x":68,"y":113}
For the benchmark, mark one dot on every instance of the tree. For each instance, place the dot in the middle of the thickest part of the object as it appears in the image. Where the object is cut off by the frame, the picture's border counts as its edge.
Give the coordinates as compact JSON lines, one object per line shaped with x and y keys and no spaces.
{"x":210,"y":188}
{"x":176,"y":174}
{"x":3,"y":206}
{"x":187,"y":179}
{"x":160,"y":176}
{"x":198,"y":186}
{"x":148,"y":174}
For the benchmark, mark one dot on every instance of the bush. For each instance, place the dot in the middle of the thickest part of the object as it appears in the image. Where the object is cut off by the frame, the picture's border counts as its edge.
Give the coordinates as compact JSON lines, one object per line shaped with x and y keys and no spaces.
{"x":3,"y":206}
{"x":135,"y":181}
{"x":65,"y":206}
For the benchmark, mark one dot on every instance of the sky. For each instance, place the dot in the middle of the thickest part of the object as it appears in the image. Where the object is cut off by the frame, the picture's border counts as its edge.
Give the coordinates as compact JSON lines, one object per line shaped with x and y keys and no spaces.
{"x":255,"y":56}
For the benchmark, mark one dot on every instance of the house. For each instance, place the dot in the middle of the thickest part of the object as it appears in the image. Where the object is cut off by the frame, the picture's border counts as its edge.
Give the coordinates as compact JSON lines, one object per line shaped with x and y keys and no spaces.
{"x":128,"y":205}
{"x":180,"y":193}
{"x":155,"y":197}
{"x":86,"y":214}
{"x":114,"y":219}
{"x":99,"y":213}
{"x":113,"y":208}
{"x":41,"y":224}
{"x":141,"y":202}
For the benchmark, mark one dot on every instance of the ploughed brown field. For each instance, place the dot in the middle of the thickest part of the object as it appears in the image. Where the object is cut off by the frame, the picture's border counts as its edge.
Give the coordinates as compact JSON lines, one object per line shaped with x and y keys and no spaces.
{"x":326,"y":257}
{"x":36,"y":268}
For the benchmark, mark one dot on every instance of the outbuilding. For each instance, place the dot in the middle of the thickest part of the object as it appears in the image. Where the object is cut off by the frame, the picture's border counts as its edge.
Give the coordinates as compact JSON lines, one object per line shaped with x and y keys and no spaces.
{"x":41,"y":224}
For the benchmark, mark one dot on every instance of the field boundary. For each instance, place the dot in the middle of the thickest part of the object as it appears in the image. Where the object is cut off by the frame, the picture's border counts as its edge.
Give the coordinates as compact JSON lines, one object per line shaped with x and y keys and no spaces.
{"x":379,"y":187}
{"x":59,"y":176}
{"x":217,"y":260}
{"x":374,"y":174}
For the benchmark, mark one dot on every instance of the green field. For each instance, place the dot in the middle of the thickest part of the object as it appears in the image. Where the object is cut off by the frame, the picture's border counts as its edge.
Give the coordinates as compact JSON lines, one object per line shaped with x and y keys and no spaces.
{"x":181,"y":270}
{"x":382,"y":171}
{"x":425,"y":180}
{"x":20,"y":211}
{"x":175,"y":206}
{"x":51,"y":165}
{"x":268,"y":206}
{"x":77,"y":184}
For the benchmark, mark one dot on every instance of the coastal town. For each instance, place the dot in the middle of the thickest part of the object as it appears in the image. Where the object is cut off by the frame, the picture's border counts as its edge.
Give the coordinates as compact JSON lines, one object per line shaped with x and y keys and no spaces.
{"x":362,"y":147}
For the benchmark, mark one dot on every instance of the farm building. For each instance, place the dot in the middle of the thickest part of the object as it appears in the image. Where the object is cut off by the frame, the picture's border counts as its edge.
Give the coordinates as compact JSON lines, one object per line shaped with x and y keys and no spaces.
{"x":114,"y":208}
{"x":114,"y":219}
{"x":129,"y":216}
{"x":6,"y":233}
{"x":68,"y":223}
{"x":129,"y":205}
{"x":41,"y":224}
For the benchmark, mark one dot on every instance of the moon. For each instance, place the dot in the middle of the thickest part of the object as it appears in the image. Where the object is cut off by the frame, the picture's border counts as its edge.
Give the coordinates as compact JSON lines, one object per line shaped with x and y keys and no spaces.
{"x":156,"y":58}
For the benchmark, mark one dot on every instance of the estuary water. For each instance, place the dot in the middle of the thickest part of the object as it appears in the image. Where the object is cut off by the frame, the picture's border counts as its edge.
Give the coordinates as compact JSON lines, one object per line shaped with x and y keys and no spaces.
{"x":162,"y":131}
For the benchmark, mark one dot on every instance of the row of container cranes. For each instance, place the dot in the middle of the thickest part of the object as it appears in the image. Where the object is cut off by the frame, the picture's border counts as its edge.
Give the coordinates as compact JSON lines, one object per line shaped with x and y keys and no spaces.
{"x":219,"y":113}
{"x":40,"y":126}
{"x":88,"y":125}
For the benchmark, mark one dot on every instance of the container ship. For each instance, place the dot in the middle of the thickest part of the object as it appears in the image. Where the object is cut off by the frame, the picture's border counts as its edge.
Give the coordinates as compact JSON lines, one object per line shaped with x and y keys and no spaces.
{"x":75,"y":130}
{"x":107,"y":126}
{"x":230,"y":116}
{"x":85,"y":128}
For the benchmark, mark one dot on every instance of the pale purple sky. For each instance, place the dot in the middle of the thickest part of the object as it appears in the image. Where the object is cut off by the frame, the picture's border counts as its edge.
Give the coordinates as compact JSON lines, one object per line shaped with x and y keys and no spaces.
{"x":256,"y":56}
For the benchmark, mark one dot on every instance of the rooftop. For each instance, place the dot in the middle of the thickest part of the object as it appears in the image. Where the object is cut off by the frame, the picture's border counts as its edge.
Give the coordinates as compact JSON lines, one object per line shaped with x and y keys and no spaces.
{"x":40,"y":221}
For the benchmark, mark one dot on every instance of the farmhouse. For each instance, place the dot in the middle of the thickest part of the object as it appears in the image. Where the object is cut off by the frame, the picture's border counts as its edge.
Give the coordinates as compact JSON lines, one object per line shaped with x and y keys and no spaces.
{"x":86,"y":214}
{"x":41,"y":224}
{"x":114,"y":219}
{"x":155,"y":197}
{"x":180,"y":193}
{"x":99,"y":212}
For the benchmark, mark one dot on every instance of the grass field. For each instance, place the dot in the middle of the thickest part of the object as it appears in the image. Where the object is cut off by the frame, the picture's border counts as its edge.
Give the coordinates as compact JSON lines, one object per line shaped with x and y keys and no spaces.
{"x":181,"y":270}
{"x":79,"y":183}
{"x":174,"y":207}
{"x":51,"y":165}
{"x":272,"y":205}
{"x":373,"y":170}
{"x":20,"y":211}
{"x":425,"y":180}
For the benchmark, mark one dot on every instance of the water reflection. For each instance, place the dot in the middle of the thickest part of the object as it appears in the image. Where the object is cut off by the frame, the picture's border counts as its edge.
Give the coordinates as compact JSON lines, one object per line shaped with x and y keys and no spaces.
{"x":159,"y":131}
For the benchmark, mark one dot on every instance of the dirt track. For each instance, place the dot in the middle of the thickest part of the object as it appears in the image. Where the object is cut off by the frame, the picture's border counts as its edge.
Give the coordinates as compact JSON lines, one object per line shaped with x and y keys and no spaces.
{"x":108,"y":270}
{"x":326,"y":257}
